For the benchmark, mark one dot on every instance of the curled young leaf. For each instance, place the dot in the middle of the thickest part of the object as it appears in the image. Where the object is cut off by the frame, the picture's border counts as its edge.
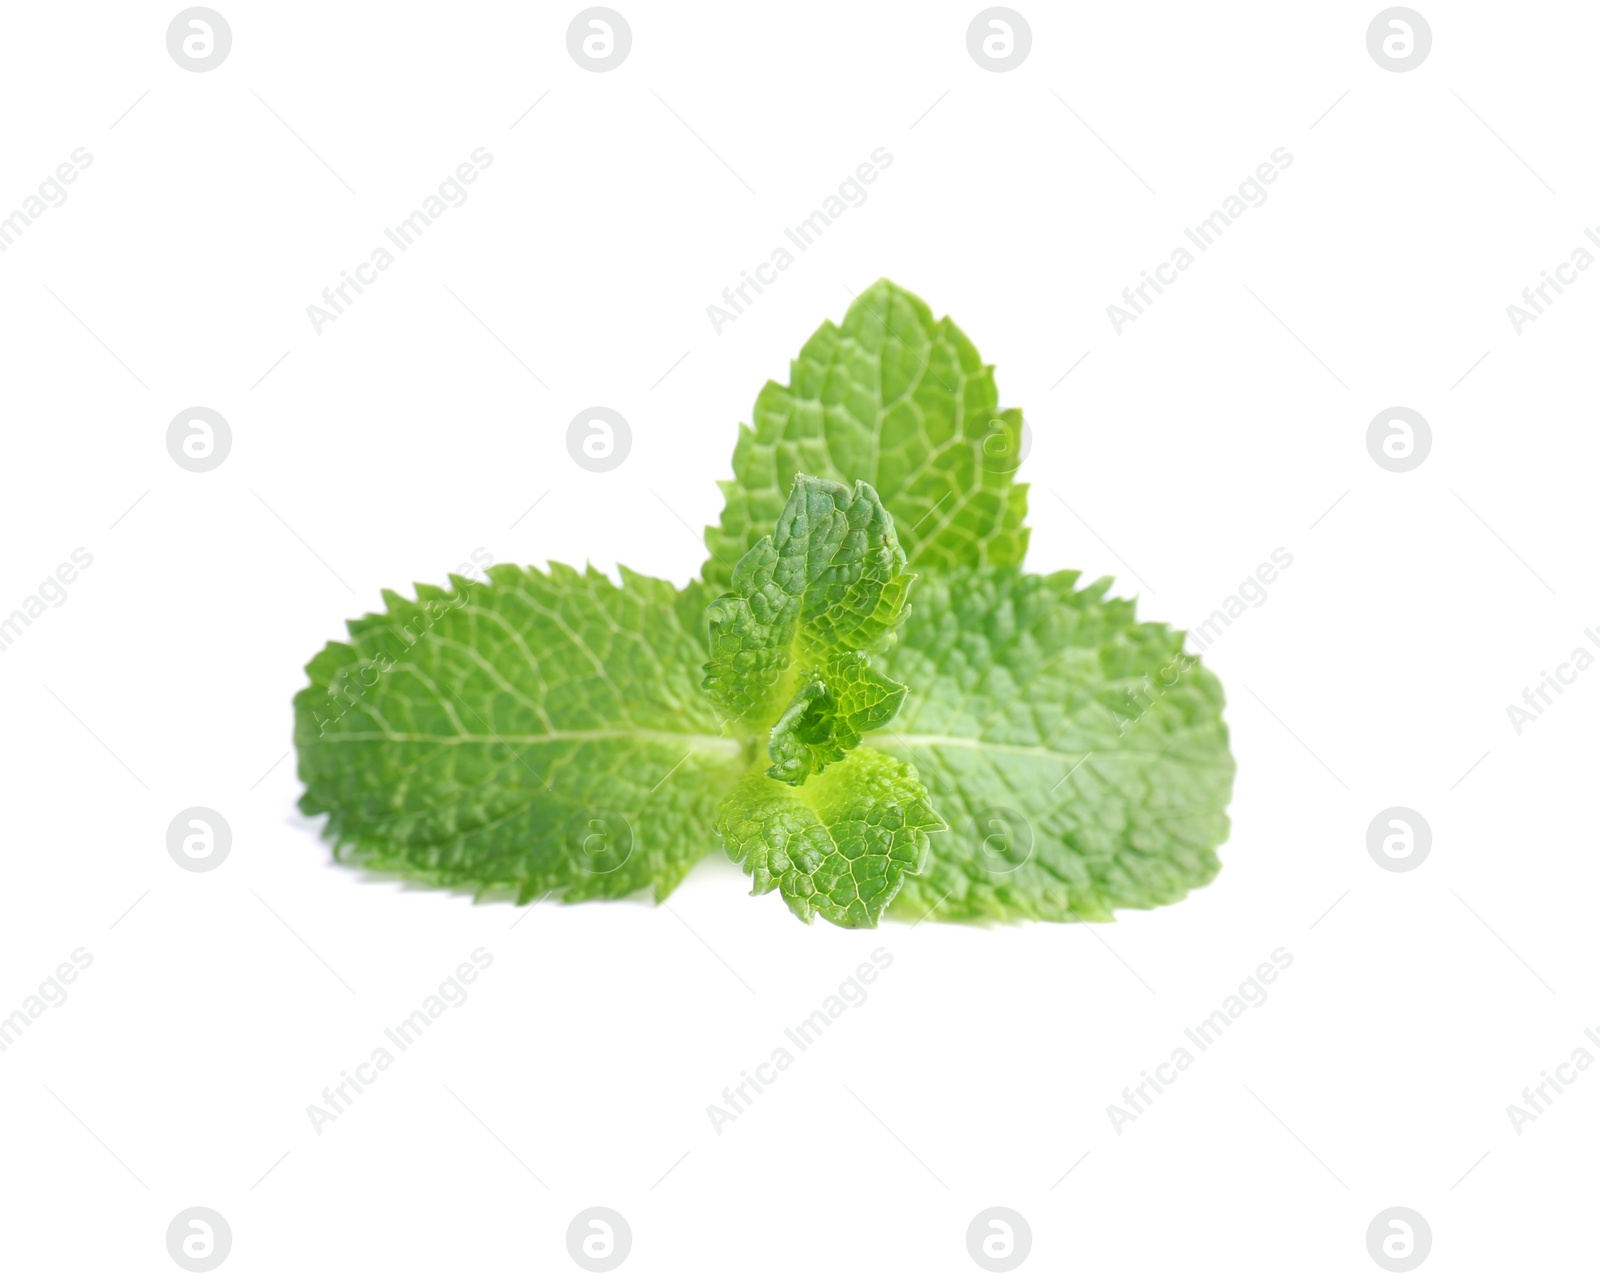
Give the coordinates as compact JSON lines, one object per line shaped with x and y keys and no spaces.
{"x":841,"y":844}
{"x":790,"y":639}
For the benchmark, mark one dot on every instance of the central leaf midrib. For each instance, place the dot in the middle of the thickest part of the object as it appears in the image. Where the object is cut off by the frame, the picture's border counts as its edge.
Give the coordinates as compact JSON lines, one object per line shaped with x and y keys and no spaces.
{"x":888,"y":739}
{"x":693,"y":742}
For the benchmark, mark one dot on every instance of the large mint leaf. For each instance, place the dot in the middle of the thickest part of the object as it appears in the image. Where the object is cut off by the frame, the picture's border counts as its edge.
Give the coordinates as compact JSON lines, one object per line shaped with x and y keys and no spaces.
{"x":841,"y":844}
{"x":789,"y":642}
{"x":900,"y":400}
{"x":539,"y":733}
{"x":1079,"y":757}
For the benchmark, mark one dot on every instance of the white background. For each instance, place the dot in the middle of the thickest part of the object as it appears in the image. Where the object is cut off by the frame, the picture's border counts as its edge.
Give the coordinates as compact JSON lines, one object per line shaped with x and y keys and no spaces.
{"x":413,"y":430}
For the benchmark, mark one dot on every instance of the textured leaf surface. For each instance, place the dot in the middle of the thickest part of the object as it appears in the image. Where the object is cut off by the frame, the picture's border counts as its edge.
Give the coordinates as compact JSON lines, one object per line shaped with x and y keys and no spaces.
{"x":1079,"y":758}
{"x":898,"y":399}
{"x":840,"y":845}
{"x":789,"y":641}
{"x":542,"y":732}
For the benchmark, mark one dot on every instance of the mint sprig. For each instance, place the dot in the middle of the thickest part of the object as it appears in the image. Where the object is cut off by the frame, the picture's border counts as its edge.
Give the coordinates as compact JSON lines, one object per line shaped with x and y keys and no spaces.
{"x":984,"y":745}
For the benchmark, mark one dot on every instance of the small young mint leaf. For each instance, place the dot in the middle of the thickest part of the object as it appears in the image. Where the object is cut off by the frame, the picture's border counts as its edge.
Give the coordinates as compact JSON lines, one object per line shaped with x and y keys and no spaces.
{"x":841,"y":844}
{"x":828,"y":717}
{"x":903,"y":401}
{"x":789,"y":642}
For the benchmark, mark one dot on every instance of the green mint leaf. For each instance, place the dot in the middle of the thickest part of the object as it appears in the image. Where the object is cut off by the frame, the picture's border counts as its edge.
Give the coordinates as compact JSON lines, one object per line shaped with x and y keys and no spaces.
{"x":903,"y":401}
{"x":789,"y":642}
{"x":842,"y":844}
{"x":1079,"y":757}
{"x":539,"y":733}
